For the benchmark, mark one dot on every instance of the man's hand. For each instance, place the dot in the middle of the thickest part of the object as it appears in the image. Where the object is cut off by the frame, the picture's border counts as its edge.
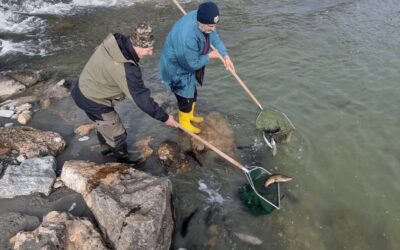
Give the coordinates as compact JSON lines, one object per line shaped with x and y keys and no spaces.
{"x":229,"y":64}
{"x":171,"y":122}
{"x":213,"y":54}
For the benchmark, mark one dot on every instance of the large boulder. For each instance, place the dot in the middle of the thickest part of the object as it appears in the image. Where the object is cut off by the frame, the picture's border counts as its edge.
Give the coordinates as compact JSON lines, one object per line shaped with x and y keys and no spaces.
{"x":34,"y":175}
{"x":132,"y":208}
{"x":32,"y":142}
{"x":60,"y":230}
{"x":11,"y":223}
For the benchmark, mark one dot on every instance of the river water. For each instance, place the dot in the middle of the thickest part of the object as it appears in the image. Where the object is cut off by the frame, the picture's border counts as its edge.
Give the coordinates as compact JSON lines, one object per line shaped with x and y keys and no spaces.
{"x":331,"y":66}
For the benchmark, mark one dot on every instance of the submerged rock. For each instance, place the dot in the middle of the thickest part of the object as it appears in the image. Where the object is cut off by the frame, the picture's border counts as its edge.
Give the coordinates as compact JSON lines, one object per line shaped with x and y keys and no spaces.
{"x":32,"y":142}
{"x":144,"y":146}
{"x":11,"y":223}
{"x":172,"y":158}
{"x":60,"y":230}
{"x":216,"y":130}
{"x":132,"y":208}
{"x":34,"y":175}
{"x":26,"y":78}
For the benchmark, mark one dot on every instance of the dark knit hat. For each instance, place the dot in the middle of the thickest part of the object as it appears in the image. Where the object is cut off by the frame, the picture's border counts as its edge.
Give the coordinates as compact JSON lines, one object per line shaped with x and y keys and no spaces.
{"x":208,"y":13}
{"x":141,"y":36}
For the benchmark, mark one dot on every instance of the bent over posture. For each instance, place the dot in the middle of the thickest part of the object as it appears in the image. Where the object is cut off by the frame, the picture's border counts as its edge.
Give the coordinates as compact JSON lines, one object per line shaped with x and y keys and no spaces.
{"x":112,"y":73}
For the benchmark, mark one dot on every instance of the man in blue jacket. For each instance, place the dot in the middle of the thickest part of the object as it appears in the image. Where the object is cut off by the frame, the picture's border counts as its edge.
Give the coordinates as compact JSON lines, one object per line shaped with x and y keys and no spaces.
{"x":185,"y":54}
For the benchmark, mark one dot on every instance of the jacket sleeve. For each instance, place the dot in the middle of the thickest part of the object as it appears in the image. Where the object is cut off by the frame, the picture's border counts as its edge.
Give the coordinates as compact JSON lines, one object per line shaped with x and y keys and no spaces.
{"x":190,"y":59}
{"x":219,"y":45}
{"x":140,"y":94}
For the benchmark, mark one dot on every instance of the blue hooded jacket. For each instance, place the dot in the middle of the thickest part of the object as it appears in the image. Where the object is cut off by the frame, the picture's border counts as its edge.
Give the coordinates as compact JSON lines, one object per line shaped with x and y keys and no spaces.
{"x":182,"y":55}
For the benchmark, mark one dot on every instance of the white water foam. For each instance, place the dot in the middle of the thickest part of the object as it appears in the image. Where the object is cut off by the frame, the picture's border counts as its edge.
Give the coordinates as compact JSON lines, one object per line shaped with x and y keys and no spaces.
{"x":61,"y":8}
{"x":213,"y":196}
{"x":28,"y":48}
{"x":16,"y":23}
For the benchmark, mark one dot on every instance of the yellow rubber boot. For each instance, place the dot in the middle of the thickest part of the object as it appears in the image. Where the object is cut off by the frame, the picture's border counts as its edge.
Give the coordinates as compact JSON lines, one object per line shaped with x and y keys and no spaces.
{"x":196,"y":119}
{"x":184,"y":120}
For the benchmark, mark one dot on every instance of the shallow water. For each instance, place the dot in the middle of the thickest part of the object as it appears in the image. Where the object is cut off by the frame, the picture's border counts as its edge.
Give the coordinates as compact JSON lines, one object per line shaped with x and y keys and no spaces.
{"x":331,"y":66}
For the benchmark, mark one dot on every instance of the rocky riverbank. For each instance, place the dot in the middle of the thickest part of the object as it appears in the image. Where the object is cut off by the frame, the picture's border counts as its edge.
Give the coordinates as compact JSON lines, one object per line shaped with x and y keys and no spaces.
{"x":130,"y":209}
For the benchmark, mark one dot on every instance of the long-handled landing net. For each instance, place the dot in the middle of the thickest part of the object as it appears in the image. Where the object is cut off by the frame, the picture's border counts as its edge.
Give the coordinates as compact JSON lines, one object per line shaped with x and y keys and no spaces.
{"x":255,"y":196}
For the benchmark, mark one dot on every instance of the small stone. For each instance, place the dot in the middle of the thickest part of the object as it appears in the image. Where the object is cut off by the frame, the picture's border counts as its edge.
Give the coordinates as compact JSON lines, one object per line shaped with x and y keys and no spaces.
{"x":61,"y":83}
{"x":45,"y":103}
{"x":27,"y":112}
{"x":84,"y":138}
{"x":14,"y":152}
{"x":10,"y":124}
{"x":14,"y":116}
{"x":57,"y":139}
{"x":21,"y":158}
{"x":58,"y":183}
{"x":23,"y":107}
{"x":24,"y":118}
{"x":6,"y":113}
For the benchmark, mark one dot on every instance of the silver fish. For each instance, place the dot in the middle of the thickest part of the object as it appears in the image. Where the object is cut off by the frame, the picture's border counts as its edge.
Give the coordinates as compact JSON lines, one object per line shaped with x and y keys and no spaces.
{"x":269,"y":140}
{"x":277,"y":178}
{"x":249,"y":239}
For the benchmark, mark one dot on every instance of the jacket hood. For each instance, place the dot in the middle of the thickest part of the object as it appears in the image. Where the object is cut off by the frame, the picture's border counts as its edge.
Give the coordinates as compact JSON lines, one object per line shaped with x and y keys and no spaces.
{"x":111,"y":46}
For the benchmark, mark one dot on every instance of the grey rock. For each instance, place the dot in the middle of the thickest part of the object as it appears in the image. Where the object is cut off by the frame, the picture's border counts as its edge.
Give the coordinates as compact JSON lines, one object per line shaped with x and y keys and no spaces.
{"x":24,"y":118}
{"x":60,"y":230}
{"x":34,"y":175}
{"x":10,"y":87}
{"x":26,"y":78}
{"x":132,"y":208}
{"x":6,"y":113}
{"x":9,"y":124}
{"x":32,"y":142}
{"x":12,"y":223}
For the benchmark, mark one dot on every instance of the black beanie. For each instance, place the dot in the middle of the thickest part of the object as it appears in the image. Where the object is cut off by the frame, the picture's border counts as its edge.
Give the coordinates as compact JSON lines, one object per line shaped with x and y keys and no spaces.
{"x":208,"y":13}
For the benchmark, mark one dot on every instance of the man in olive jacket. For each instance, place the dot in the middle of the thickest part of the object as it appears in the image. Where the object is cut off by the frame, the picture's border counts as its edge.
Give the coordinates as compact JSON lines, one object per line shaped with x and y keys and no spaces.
{"x":111,"y":74}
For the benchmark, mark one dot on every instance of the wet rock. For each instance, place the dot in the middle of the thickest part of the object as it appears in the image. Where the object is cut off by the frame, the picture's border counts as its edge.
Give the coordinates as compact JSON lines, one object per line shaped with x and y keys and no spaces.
{"x":12,"y":223}
{"x":144,"y":146}
{"x":45,"y":103}
{"x":22,"y":108}
{"x":9,"y":87}
{"x":56,"y":91}
{"x":216,"y":130}
{"x":6,"y":113}
{"x":32,"y":142}
{"x":9,"y":124}
{"x":5,"y":151}
{"x":34,"y":175}
{"x":132,"y":208}
{"x":58,"y":183}
{"x":60,"y":230}
{"x":14,"y":117}
{"x":24,"y":118}
{"x":61,"y":26}
{"x":85,"y":129}
{"x":26,"y":78}
{"x":172,"y":158}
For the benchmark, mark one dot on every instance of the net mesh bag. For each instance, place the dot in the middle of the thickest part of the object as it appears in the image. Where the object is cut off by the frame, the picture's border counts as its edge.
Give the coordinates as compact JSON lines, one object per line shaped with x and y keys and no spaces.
{"x":276,"y":123}
{"x":254,"y":204}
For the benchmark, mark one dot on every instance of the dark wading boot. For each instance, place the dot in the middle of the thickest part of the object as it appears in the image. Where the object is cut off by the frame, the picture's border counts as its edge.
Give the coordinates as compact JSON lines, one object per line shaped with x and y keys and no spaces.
{"x":105,"y":149}
{"x":122,"y":155}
